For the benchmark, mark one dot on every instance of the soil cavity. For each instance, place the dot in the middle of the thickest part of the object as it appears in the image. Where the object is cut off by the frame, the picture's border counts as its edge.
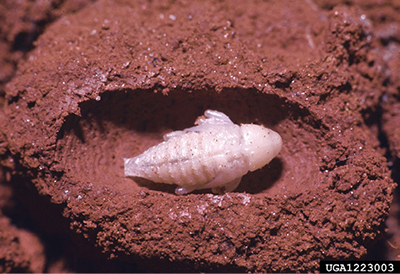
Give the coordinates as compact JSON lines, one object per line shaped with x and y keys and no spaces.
{"x":125,"y":123}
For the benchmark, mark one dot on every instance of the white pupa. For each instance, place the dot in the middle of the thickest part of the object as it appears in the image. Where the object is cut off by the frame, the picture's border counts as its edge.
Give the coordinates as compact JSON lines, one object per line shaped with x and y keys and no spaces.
{"x":214,"y":154}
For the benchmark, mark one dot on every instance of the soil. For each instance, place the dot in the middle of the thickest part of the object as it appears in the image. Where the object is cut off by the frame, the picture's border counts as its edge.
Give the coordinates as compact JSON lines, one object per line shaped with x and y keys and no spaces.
{"x":106,"y":80}
{"x":22,"y":23}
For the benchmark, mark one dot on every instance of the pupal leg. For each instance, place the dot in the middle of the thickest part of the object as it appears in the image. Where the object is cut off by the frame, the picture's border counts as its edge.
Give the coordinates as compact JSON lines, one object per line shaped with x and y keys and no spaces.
{"x":213,"y":117}
{"x":173,"y":134}
{"x":217,"y":115}
{"x":184,"y":190}
{"x":226,"y":180}
{"x":228,"y":187}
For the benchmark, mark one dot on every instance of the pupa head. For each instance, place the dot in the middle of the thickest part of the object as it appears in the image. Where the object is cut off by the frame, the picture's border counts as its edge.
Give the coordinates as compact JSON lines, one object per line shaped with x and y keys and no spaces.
{"x":261,"y":145}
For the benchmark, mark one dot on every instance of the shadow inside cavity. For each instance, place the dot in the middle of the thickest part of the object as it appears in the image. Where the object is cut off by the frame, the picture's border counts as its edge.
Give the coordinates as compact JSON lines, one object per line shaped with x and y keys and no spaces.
{"x":261,"y":180}
{"x":147,"y":184}
{"x":146,"y":111}
{"x":123,"y":124}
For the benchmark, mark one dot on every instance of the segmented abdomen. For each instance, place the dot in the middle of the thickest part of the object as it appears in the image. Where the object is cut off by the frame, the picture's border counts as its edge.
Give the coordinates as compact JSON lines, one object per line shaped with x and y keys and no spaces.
{"x":193,"y":158}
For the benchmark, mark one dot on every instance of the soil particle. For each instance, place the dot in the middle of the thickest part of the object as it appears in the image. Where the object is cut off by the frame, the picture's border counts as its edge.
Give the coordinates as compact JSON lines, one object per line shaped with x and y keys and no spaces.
{"x":107,"y":85}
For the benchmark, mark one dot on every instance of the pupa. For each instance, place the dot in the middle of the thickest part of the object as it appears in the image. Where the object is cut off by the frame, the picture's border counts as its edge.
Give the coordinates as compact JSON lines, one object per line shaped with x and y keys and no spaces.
{"x":215,"y":153}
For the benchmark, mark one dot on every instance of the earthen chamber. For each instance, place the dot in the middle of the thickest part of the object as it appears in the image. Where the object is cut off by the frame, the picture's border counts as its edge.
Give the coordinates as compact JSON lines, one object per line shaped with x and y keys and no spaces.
{"x":107,"y":82}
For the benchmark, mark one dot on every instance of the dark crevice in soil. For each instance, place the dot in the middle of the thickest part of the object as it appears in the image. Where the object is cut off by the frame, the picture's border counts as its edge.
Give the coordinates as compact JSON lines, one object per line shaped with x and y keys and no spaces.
{"x":378,"y":250}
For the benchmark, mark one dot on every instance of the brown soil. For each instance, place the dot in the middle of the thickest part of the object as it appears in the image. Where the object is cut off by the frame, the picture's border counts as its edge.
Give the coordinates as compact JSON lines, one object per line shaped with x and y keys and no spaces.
{"x":22,"y":23}
{"x":108,"y":81}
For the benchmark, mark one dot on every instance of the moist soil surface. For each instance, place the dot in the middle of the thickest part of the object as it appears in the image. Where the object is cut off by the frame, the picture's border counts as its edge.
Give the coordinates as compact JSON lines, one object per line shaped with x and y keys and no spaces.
{"x":107,"y":80}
